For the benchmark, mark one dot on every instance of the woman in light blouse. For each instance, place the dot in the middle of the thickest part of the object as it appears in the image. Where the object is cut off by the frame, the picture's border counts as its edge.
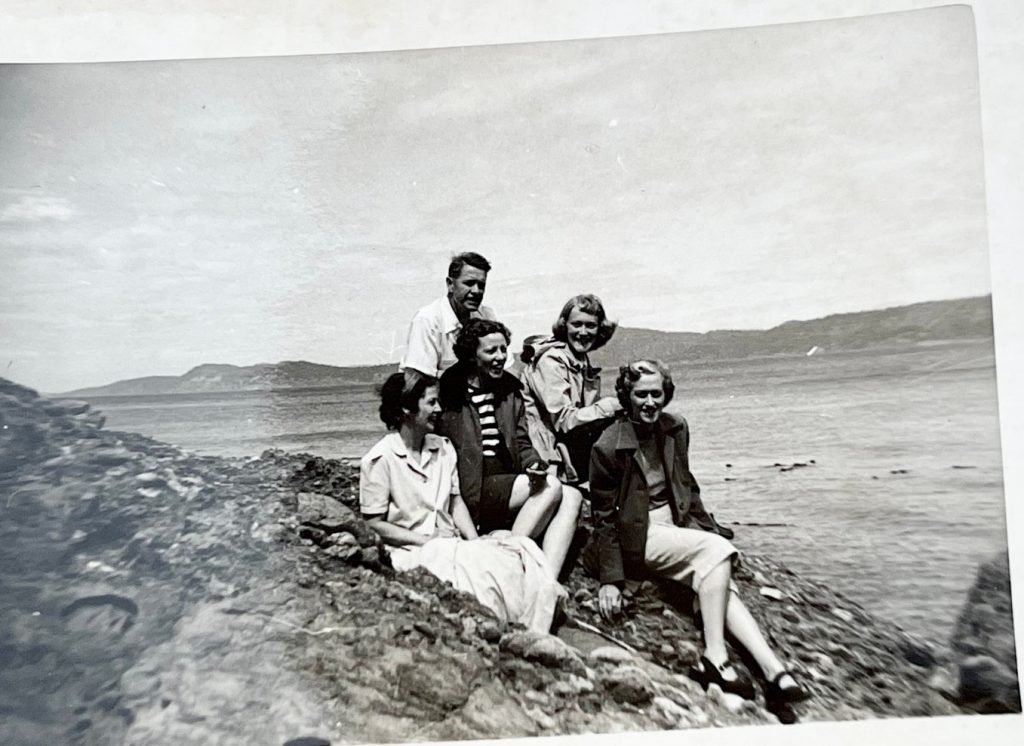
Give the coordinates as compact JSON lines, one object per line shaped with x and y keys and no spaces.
{"x":409,"y":494}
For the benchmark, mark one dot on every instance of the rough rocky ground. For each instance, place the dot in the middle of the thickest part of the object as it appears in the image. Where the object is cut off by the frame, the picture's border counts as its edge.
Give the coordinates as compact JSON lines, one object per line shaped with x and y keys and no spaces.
{"x":153,"y":596}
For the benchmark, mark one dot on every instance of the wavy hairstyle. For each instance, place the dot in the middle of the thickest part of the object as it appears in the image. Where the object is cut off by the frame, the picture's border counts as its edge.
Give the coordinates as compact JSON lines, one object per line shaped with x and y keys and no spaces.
{"x":472,"y":332}
{"x":630,"y":374}
{"x":400,"y":396}
{"x":588,"y":304}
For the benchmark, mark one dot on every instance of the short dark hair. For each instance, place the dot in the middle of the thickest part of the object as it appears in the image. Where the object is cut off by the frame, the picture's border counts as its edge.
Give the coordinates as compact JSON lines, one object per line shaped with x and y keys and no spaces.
{"x":400,"y":395}
{"x":470,"y":335}
{"x":588,"y":304}
{"x":630,"y":374}
{"x":467,"y":257}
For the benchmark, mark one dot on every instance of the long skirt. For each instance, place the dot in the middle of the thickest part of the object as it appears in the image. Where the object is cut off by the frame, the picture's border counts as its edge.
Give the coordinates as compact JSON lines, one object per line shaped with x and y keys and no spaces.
{"x":507,"y":574}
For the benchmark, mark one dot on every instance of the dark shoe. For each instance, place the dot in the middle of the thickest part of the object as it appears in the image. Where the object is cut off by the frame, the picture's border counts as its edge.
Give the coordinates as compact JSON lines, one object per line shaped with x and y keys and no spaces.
{"x":773,"y":693}
{"x":707,"y":673}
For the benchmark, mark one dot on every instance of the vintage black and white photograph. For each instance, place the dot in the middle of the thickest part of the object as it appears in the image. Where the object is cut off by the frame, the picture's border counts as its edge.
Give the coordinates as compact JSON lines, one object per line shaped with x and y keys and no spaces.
{"x":642,"y":383}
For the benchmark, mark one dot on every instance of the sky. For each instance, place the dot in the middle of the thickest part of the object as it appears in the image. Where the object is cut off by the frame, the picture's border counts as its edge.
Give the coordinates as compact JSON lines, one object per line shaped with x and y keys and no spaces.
{"x":159,"y":215}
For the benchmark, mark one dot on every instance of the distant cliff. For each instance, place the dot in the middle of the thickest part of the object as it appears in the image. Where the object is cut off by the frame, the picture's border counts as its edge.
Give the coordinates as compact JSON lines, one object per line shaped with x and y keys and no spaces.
{"x":967,"y":318}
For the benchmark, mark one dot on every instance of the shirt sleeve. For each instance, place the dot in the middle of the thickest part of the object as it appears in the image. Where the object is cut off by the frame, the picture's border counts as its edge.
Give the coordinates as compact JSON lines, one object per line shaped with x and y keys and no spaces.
{"x":374,"y":486}
{"x":423,"y":345}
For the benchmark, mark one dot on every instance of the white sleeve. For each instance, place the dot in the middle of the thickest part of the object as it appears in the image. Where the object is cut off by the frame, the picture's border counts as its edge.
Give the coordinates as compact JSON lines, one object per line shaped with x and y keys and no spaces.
{"x":423,"y":346}
{"x":374,"y":486}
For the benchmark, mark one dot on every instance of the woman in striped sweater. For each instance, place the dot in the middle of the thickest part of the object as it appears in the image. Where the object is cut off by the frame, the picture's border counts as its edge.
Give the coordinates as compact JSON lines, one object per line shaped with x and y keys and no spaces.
{"x":504,"y":482}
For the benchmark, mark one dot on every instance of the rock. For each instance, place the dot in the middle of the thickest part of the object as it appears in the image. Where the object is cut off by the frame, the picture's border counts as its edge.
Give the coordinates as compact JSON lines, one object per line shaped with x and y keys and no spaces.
{"x":489,"y":630}
{"x":65,"y":407}
{"x":944,"y":681}
{"x":917,"y":651}
{"x":989,"y":686}
{"x":307,"y":741}
{"x":844,"y":615}
{"x":772,"y":593}
{"x":610,"y":654}
{"x":544,"y":649}
{"x":984,"y":644}
{"x":628,"y":684}
{"x":668,"y":711}
{"x":571,"y":686}
{"x":439,"y":684}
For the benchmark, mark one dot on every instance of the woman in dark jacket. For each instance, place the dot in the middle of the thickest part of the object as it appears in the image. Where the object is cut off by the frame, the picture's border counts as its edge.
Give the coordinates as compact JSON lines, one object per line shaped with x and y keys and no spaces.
{"x":649,"y":518}
{"x":503,"y":481}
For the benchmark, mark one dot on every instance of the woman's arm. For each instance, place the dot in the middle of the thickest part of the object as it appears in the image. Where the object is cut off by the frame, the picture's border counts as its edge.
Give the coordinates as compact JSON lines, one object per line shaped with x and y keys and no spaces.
{"x":395,"y":536}
{"x":528,"y":456}
{"x":604,"y":487}
{"x":554,"y":386}
{"x":462,"y":519}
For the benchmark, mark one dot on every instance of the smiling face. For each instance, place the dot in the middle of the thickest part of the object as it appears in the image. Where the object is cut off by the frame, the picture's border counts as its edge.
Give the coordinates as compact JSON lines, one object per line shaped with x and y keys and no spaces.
{"x":647,"y":398}
{"x":466,"y":292}
{"x":428,"y":411}
{"x":491,"y":355}
{"x":581,"y":331}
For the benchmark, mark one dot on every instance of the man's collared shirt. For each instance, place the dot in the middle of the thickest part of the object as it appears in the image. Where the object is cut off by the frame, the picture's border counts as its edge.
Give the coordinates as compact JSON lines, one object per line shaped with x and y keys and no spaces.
{"x":430,"y":348}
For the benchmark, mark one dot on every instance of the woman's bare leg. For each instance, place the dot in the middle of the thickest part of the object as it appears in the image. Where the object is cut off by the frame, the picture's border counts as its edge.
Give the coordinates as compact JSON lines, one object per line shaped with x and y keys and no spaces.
{"x":535,"y":513}
{"x":714,"y":600}
{"x":744,"y":628}
{"x":562,"y":528}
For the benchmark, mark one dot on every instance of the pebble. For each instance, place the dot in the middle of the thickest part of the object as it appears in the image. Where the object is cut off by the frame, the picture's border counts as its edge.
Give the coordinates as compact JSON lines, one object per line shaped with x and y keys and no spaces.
{"x":612,"y":654}
{"x":628,"y":684}
{"x":772,"y":593}
{"x":844,"y":615}
{"x":544,"y":649}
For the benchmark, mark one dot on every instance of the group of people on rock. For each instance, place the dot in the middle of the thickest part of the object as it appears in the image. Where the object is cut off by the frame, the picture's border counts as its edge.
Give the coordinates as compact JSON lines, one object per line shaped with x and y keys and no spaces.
{"x":483,"y":474}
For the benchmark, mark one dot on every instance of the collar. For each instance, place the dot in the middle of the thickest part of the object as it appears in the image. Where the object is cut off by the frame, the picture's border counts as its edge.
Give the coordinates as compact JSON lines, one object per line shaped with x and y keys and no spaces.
{"x":552,"y":346}
{"x":454,"y":386}
{"x":449,"y":321}
{"x":625,"y":435}
{"x":394,"y":440}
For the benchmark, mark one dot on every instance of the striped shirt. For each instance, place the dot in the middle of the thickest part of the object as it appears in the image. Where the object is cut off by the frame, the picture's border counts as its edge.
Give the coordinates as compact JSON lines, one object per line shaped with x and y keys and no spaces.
{"x":490,"y":436}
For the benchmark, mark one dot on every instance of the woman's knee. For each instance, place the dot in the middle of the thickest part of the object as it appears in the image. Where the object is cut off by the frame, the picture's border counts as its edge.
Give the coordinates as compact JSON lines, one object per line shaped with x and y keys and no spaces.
{"x":572,"y":499}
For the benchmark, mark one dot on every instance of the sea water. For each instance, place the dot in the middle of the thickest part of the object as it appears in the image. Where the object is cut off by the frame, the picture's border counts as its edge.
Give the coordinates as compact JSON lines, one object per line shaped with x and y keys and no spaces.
{"x":903,"y":499}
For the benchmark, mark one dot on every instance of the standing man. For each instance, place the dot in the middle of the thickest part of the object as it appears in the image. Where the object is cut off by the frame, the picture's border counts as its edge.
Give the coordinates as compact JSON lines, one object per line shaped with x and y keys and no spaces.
{"x":430,"y":348}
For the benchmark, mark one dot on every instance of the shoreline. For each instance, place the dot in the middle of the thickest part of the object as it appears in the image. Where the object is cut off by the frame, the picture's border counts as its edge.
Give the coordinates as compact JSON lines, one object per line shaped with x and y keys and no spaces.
{"x":167,"y":597}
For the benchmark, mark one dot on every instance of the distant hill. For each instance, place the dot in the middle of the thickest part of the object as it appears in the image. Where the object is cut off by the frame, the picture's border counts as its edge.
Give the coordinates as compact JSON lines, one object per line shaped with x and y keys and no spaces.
{"x":933,"y":321}
{"x":966,"y":318}
{"x":263,"y":377}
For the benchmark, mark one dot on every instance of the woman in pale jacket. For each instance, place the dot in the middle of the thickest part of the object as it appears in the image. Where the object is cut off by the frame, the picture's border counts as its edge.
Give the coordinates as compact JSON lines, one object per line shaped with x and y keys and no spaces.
{"x":564,"y":407}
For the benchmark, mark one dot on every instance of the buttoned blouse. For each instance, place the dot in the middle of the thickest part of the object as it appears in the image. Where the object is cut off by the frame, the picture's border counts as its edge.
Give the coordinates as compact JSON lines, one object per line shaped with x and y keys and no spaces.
{"x":415,"y":494}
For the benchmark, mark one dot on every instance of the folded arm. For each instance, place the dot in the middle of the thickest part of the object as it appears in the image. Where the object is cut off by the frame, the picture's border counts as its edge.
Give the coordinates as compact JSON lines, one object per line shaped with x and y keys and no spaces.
{"x":553,"y":384}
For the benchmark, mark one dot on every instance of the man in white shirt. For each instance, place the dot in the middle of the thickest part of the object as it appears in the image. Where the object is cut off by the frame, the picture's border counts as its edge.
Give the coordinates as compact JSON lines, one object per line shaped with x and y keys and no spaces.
{"x":430,"y":348}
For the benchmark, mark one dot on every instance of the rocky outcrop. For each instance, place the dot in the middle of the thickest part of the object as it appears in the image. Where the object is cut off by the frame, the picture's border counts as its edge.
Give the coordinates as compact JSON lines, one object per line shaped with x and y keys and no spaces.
{"x":986,"y":659}
{"x":155,"y":596}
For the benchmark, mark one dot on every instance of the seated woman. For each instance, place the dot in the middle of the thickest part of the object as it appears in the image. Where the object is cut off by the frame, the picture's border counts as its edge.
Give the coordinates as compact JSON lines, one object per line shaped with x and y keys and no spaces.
{"x":504,"y":482}
{"x":563,"y":391}
{"x":409,"y":494}
{"x":649,"y":518}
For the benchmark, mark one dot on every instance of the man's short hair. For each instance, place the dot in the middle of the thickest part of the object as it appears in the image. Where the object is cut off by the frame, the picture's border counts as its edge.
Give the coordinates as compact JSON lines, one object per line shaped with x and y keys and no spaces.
{"x":467,"y":257}
{"x":630,"y":374}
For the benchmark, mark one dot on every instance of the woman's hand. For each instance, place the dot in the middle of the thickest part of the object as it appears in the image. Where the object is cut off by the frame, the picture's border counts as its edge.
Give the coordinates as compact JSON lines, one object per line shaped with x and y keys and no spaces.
{"x":537,"y":472}
{"x":609,"y":601}
{"x":610,"y":403}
